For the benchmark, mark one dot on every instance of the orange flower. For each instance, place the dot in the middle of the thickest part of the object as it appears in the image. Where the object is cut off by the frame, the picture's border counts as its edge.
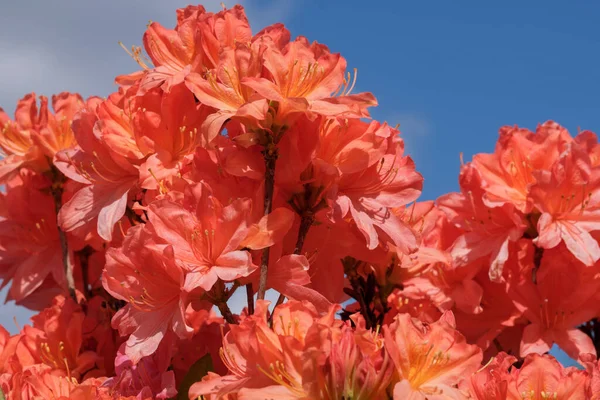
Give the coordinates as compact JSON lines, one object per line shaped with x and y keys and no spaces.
{"x":16,"y":137}
{"x":30,"y":252}
{"x":57,"y":338}
{"x":567,"y":198}
{"x":542,"y":377}
{"x":206,"y":242}
{"x":149,"y":280}
{"x":564,"y":297}
{"x":167,"y":130}
{"x":431,"y":359}
{"x":510,"y":171}
{"x":492,"y":380}
{"x":193,"y":46}
{"x":107,"y":178}
{"x":487,"y":231}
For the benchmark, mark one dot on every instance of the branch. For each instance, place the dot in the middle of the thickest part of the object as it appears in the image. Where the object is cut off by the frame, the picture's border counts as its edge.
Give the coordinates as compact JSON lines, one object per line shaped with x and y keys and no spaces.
{"x":270,"y":154}
{"x":250,"y":298}
{"x":84,"y":256}
{"x":58,"y":180}
{"x":306,"y":222}
{"x":226,"y":312}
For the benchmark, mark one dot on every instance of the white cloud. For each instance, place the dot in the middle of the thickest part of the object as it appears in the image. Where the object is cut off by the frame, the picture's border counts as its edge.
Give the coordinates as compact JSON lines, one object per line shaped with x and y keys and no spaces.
{"x":411,"y":124}
{"x":49,"y":47}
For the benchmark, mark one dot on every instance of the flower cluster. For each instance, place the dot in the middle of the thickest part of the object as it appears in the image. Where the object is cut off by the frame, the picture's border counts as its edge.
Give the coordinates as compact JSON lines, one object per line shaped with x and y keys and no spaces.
{"x":239,"y":162}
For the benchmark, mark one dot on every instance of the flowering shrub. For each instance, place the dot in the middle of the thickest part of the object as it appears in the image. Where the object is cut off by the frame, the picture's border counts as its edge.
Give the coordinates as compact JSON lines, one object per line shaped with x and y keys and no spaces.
{"x":239,"y":162}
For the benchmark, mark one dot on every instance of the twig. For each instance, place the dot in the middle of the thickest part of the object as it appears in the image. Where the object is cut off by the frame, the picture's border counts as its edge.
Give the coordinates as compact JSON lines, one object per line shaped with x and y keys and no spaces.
{"x":306,"y":222}
{"x":226,"y":312}
{"x":250,"y":298}
{"x":270,"y":154}
{"x":57,"y":190}
{"x":84,"y":256}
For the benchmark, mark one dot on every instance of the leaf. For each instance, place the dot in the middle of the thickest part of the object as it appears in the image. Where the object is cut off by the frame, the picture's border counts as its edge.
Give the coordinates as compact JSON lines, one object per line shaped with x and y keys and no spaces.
{"x":200,"y":368}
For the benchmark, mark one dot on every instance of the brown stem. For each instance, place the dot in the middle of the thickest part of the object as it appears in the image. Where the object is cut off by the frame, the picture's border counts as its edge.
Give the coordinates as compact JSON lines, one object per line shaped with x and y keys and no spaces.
{"x":306,"y":222}
{"x":84,"y":258}
{"x":270,"y":155}
{"x":537,"y":262}
{"x":226,"y":312}
{"x":58,"y":180}
{"x":250,"y":298}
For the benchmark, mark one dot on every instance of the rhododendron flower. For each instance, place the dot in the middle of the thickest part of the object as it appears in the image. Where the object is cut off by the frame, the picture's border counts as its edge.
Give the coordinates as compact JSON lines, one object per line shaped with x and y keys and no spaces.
{"x":542,"y":377}
{"x":151,"y":282}
{"x":491,"y":382}
{"x":303,"y":356}
{"x":429,"y":358}
{"x":56,"y":134}
{"x":561,"y":300}
{"x":30,"y":252}
{"x":206,"y":240}
{"x":306,"y":77}
{"x":487,"y":231}
{"x":592,"y":366}
{"x":144,"y":380}
{"x":56,"y":338}
{"x":520,"y":154}
{"x":367,"y":193}
{"x":166,"y":128}
{"x":107,"y":179}
{"x":566,"y":197}
{"x":193,"y":46}
{"x":16,"y":137}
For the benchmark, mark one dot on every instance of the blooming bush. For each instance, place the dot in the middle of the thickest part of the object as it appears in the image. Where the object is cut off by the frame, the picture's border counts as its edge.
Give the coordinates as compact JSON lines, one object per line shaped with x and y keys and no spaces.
{"x":238,"y":162}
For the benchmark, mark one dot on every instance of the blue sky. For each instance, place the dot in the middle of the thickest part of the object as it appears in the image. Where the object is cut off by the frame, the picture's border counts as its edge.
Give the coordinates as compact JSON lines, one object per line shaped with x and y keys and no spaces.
{"x":451,"y":76}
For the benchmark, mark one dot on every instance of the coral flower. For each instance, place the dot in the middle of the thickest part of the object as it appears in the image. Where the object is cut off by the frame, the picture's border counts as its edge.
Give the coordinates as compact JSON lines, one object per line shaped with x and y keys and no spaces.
{"x":542,"y":377}
{"x":307,"y":77}
{"x":430,"y":359}
{"x":30,"y":252}
{"x":207,"y":240}
{"x":374,"y":179}
{"x":56,"y":134}
{"x":193,"y":46}
{"x":57,"y":338}
{"x":492,"y":380}
{"x":487,"y":231}
{"x":567,"y":198}
{"x":510,"y":171}
{"x":16,"y":137}
{"x":166,"y":128}
{"x":106,"y":177}
{"x":149,"y":280}
{"x":564,"y":297}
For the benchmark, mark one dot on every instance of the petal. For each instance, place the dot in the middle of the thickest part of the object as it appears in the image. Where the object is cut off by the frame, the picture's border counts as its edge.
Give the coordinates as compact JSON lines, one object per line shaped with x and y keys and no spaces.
{"x":270,"y":229}
{"x":534,"y":340}
{"x":575,"y":343}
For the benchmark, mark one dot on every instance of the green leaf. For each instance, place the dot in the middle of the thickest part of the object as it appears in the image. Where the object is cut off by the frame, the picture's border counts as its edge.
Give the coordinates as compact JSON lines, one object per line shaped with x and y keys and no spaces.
{"x":2,"y":395}
{"x":195,"y":374}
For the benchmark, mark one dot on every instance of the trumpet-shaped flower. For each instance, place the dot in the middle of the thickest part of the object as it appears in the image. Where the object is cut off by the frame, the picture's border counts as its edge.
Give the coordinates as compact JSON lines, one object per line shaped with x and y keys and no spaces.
{"x":430,"y":358}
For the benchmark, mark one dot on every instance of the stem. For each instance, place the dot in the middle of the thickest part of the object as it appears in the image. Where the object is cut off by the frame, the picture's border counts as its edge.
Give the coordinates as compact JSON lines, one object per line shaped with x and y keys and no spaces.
{"x":250,"y":298}
{"x":226,"y":312}
{"x":57,"y":191}
{"x":537,"y":262}
{"x":360,"y":290}
{"x":270,"y":154}
{"x":84,"y":255}
{"x":305,"y":223}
